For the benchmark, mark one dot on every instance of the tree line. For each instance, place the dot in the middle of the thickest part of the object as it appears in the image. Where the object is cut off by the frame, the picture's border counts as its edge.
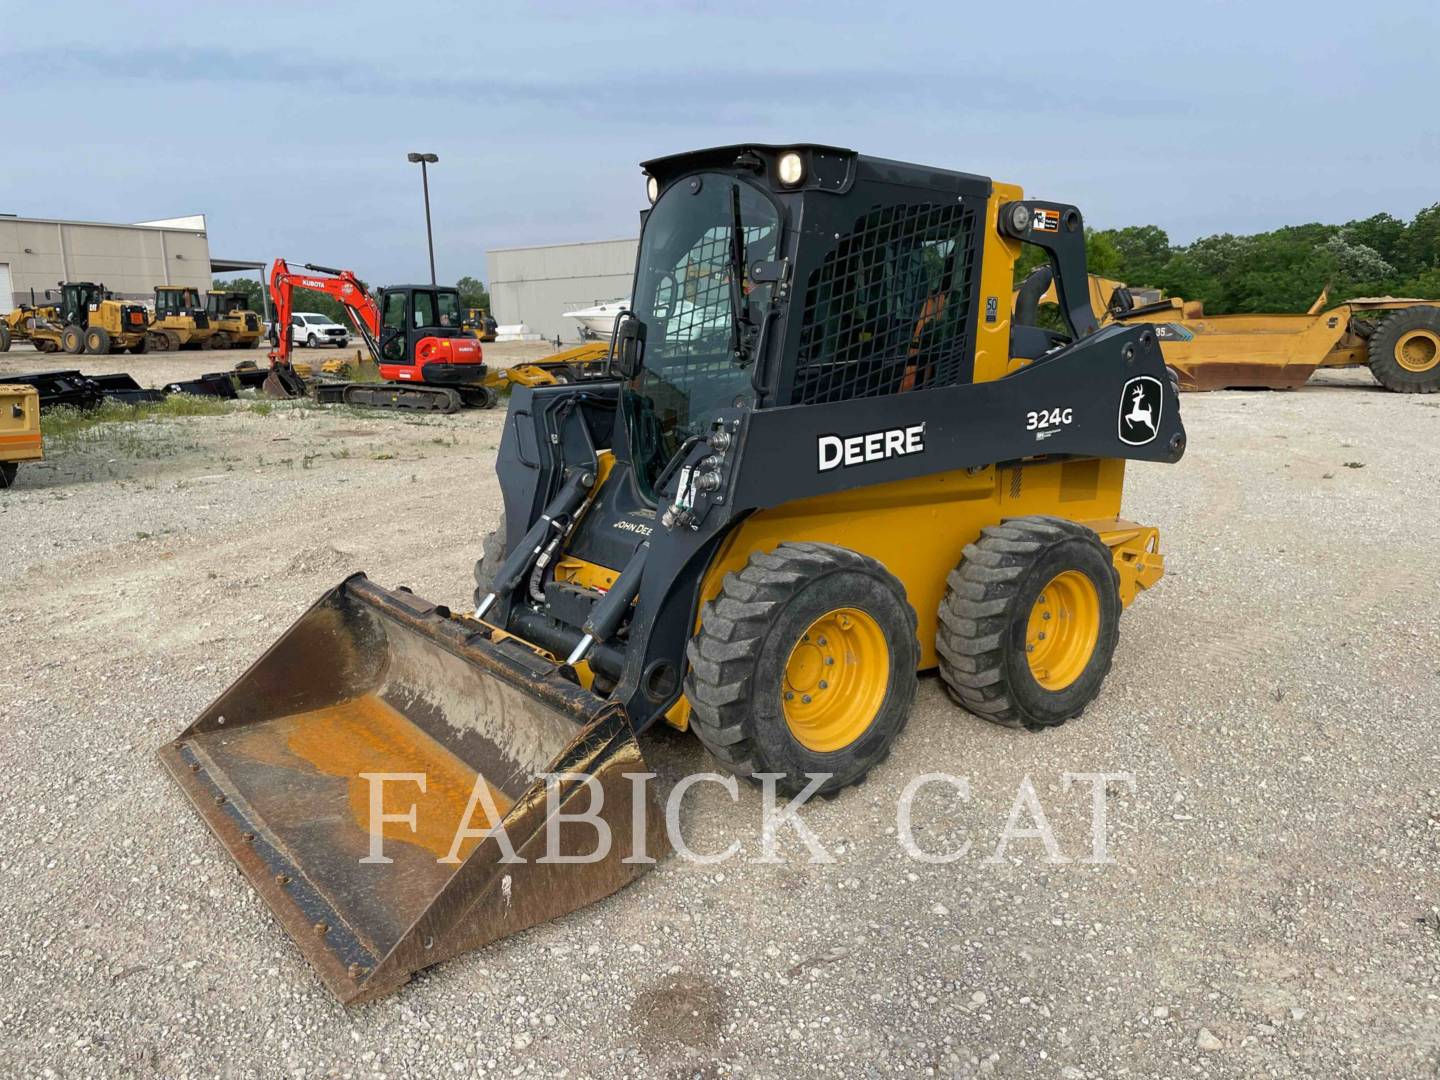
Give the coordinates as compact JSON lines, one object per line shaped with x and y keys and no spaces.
{"x":1277,"y":271}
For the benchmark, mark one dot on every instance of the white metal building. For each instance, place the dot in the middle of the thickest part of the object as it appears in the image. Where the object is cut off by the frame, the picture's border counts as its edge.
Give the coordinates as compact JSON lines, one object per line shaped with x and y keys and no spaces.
{"x":130,"y":260}
{"x":537,"y":285}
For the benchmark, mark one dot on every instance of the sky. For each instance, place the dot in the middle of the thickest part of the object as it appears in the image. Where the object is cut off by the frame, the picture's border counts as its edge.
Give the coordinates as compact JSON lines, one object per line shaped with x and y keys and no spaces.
{"x":287,"y":125}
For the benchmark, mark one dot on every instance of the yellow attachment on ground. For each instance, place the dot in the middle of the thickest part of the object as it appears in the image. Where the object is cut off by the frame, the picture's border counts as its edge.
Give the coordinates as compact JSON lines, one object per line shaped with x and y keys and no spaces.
{"x":1136,"y":551}
{"x":1062,"y":630}
{"x":835,"y":680}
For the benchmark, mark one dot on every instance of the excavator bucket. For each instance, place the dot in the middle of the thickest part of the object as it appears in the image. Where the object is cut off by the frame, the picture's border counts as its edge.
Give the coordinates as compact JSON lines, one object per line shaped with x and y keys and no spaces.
{"x":283,"y":384}
{"x":356,"y":773}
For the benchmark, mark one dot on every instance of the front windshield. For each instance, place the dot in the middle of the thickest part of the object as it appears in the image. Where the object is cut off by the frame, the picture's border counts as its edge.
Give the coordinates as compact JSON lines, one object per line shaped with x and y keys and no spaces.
{"x":683,"y":295}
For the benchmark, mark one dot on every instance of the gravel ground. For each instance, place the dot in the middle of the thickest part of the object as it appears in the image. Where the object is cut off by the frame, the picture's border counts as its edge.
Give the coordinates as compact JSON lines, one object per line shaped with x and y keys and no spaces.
{"x":1272,"y":907}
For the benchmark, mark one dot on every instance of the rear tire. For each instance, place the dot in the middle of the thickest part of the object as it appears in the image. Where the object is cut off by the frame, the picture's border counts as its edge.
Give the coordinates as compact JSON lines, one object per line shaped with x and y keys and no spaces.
{"x":8,"y":469}
{"x":1405,"y":351}
{"x":805,"y":663}
{"x":1029,"y":622}
{"x":72,"y":340}
{"x":4,"y":339}
{"x":492,"y":554}
{"x":97,"y":341}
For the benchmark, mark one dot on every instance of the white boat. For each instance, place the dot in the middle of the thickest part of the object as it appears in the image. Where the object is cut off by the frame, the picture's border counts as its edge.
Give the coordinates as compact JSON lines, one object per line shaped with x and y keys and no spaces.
{"x":598,"y":321}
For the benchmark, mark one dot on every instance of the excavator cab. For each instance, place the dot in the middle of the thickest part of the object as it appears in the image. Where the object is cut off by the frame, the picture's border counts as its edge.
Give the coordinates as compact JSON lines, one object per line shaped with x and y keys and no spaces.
{"x":418,"y":328}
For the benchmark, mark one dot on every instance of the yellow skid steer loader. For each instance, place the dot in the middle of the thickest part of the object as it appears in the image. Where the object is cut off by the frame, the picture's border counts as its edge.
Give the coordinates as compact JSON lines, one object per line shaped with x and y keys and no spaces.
{"x":828,"y":460}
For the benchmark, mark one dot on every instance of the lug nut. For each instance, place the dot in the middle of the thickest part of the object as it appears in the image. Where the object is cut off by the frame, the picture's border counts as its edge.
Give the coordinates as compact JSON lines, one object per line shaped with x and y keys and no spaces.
{"x":829,"y":661}
{"x":824,"y":642}
{"x":1044,"y":615}
{"x":824,"y":685}
{"x":1041,"y":635}
{"x":805,"y":698}
{"x":789,"y":695}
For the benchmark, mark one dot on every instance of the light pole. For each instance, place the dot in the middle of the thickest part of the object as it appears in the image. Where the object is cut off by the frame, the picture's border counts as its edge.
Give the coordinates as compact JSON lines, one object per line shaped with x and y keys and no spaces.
{"x":424,"y":160}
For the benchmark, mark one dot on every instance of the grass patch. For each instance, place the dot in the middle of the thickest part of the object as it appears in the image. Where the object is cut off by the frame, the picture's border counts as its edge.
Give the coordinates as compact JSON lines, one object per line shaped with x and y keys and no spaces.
{"x":67,"y":424}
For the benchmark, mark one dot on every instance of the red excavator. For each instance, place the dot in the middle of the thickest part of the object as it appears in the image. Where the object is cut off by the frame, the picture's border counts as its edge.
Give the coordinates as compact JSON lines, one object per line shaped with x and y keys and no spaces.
{"x":426,"y":358}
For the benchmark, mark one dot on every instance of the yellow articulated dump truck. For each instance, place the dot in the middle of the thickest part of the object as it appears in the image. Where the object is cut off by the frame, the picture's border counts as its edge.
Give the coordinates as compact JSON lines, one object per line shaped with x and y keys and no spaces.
{"x":19,"y":429}
{"x":1397,"y":338}
{"x":824,"y":458}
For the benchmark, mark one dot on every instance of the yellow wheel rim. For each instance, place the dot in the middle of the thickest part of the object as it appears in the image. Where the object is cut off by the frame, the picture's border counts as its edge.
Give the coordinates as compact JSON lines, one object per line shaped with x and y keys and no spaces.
{"x":835,"y":680}
{"x":1062,"y":630}
{"x":1418,"y":350}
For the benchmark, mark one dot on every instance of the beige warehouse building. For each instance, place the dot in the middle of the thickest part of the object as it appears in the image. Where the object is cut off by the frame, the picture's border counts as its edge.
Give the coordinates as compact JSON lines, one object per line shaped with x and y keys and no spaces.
{"x":130,"y":260}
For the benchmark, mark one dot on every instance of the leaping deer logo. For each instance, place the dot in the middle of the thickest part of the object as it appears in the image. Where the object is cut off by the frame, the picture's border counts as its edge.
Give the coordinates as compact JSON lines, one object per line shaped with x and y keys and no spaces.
{"x":1140,"y":413}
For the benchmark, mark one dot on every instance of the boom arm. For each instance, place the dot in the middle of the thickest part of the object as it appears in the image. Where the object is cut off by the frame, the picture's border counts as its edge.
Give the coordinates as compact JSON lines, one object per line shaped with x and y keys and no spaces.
{"x":342,"y":285}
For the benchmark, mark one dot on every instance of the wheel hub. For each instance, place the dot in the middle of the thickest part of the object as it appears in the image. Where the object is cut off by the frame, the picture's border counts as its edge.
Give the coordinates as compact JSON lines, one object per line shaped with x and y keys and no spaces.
{"x":835,"y":680}
{"x":1063,"y":628}
{"x":1418,"y":351}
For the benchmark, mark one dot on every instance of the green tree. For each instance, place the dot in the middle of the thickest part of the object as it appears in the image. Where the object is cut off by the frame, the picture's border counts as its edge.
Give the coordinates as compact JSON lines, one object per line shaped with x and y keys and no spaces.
{"x":473,"y":293}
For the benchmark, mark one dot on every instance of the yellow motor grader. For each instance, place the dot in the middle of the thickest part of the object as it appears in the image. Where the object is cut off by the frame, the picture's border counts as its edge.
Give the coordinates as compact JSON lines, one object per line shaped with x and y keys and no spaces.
{"x":828,"y":459}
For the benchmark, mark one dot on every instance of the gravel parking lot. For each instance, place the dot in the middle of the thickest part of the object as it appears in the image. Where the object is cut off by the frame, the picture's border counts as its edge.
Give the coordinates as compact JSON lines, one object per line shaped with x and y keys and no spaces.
{"x":1272,"y":909}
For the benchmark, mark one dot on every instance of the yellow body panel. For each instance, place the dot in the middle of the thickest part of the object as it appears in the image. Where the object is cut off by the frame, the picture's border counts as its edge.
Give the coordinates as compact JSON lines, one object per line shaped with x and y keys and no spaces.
{"x":997,"y":272}
{"x":19,"y":423}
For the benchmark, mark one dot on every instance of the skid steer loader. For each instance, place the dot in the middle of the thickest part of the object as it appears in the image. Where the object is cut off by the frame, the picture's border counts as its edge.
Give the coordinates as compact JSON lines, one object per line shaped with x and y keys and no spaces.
{"x":828,"y":461}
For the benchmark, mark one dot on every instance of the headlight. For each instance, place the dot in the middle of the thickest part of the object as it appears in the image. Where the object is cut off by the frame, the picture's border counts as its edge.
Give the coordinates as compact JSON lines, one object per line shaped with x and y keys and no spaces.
{"x":792,"y":169}
{"x":652,"y":189}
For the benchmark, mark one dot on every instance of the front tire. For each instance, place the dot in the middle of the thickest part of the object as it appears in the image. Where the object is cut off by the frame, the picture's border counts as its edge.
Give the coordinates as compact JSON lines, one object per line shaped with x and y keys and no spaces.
{"x":72,"y":340}
{"x":1405,"y":351}
{"x":492,"y":554}
{"x":805,"y":663}
{"x":1029,"y":622}
{"x":310,"y":341}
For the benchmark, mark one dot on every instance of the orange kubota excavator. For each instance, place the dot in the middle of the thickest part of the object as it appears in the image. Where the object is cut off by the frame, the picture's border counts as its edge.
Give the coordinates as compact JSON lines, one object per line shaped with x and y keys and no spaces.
{"x":427,"y":360}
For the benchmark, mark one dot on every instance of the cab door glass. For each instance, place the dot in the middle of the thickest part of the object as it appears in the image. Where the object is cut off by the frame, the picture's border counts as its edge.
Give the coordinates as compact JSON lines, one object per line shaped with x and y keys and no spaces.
{"x":449,"y":309}
{"x":424,"y":308}
{"x":392,"y":327}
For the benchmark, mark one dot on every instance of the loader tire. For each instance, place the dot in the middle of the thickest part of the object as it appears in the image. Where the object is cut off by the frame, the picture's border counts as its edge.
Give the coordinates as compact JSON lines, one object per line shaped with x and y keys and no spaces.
{"x":805,"y":663}
{"x":1029,"y":622}
{"x":492,"y":554}
{"x":97,"y":341}
{"x":4,"y":339}
{"x":72,"y":340}
{"x":8,"y":471}
{"x":1405,"y":351}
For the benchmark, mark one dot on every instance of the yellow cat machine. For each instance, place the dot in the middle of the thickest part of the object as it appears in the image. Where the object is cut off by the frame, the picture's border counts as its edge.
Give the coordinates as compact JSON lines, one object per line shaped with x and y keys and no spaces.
{"x":828,"y":460}
{"x":87,"y":319}
{"x":479,"y":322}
{"x":16,"y":324}
{"x":19,"y":429}
{"x":180,"y":320}
{"x":1397,"y":338}
{"x":232,"y":324}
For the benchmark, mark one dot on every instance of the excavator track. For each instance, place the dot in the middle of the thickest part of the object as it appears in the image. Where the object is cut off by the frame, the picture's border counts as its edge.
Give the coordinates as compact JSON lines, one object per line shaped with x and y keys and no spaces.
{"x":441,"y":399}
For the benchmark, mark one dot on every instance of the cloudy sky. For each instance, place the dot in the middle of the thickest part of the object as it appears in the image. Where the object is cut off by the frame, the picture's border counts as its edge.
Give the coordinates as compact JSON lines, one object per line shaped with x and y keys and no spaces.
{"x":288,"y":124}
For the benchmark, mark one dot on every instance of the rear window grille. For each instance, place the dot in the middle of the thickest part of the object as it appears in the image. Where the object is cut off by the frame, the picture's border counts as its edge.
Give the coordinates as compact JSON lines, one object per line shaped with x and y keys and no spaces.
{"x":888,"y":310}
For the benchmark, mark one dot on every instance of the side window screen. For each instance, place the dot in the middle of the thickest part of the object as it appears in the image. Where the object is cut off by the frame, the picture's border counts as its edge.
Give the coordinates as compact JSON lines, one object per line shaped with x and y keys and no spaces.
{"x":888,"y":310}
{"x":425,"y":310}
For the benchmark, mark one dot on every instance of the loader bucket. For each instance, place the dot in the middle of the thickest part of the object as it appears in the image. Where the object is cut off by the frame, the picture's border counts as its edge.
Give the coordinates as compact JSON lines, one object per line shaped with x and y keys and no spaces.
{"x":283,"y":766}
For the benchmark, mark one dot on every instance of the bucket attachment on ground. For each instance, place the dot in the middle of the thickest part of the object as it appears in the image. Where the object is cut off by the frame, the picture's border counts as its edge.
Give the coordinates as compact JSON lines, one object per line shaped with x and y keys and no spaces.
{"x":282,"y":384}
{"x":283,"y":767}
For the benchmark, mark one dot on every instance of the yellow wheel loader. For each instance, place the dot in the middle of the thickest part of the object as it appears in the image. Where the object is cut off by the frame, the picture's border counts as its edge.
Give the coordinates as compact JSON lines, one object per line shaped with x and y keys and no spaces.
{"x":232,"y":324}
{"x":828,"y":461}
{"x":19,"y":429}
{"x":1397,"y":338}
{"x":180,"y":320}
